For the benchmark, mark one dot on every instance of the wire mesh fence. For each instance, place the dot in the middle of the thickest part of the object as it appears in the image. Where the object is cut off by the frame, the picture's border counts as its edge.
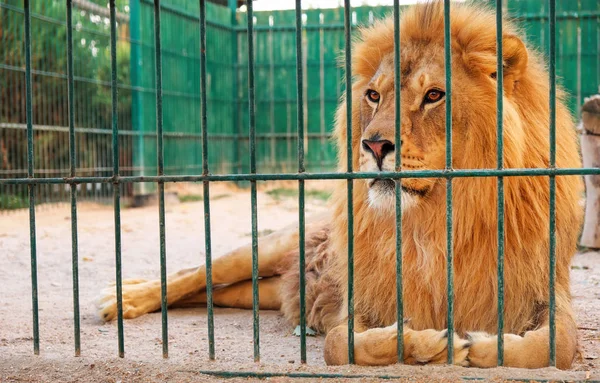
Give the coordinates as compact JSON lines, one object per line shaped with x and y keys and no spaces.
{"x":157,"y":117}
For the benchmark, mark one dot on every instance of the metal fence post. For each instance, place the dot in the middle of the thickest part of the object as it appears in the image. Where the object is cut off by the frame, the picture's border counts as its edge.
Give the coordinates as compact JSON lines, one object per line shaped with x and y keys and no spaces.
{"x":350,"y":186}
{"x":449,"y":238}
{"x":30,"y":175}
{"x":500,"y":180}
{"x":552,"y":228}
{"x":73,"y":187}
{"x":301,"y":223}
{"x":115,"y":178}
{"x":137,"y":105}
{"x":205,"y":184}
{"x":398,"y":159}
{"x":161,"y":185}
{"x":252,"y":140}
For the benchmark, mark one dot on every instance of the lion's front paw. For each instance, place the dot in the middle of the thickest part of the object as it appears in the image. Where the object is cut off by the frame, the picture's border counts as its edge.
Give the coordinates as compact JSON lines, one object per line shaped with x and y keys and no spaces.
{"x":484,"y":349}
{"x":139,"y":297}
{"x":431,"y":347}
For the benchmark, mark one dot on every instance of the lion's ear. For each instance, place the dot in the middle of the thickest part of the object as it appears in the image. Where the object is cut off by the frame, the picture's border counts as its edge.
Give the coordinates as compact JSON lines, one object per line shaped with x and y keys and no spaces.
{"x":515,"y":56}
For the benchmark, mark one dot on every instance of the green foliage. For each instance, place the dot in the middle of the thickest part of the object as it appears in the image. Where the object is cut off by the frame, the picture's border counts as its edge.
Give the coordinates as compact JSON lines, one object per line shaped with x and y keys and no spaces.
{"x":190,"y":198}
{"x":13,"y":202}
{"x":92,"y":94}
{"x":282,"y":193}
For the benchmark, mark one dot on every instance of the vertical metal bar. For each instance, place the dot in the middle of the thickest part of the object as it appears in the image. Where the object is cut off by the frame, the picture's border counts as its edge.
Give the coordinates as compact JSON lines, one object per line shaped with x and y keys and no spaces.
{"x":207,"y":235}
{"x":161,"y":184}
{"x":398,"y":141}
{"x":449,"y":242}
{"x":31,"y":188}
{"x":348,"y":59}
{"x":322,"y":119}
{"x":500,"y":180}
{"x":273,"y":140}
{"x":300,"y":107}
{"x":237,"y":129}
{"x":579,"y":38}
{"x":73,"y":164}
{"x":552,"y":229}
{"x":597,"y":48}
{"x":116,"y":184}
{"x":137,"y":98}
{"x":252,"y":128}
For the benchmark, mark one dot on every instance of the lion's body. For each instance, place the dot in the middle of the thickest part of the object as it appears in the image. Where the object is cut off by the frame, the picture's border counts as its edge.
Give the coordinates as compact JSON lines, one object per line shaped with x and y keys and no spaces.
{"x":424,"y":239}
{"x":474,"y":211}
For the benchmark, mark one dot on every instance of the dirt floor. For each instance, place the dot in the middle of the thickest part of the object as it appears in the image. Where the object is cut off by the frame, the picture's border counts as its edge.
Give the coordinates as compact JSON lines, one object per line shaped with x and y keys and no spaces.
{"x":188,"y":346}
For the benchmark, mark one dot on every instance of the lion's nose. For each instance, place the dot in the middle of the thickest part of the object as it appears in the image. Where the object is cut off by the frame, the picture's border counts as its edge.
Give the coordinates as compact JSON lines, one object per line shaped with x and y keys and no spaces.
{"x":379,"y":149}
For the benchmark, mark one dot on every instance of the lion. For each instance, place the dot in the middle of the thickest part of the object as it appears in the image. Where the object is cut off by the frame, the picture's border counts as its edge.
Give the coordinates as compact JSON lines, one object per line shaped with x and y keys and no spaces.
{"x":474,"y":136}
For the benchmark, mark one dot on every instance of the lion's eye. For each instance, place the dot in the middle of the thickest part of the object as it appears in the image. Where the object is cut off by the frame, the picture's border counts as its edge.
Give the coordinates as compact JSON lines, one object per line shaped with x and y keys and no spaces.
{"x":373,"y":96}
{"x":433,"y":95}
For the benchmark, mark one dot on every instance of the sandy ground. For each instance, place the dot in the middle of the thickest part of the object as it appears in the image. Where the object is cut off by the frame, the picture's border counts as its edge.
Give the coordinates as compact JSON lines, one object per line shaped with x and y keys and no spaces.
{"x":188,"y":346}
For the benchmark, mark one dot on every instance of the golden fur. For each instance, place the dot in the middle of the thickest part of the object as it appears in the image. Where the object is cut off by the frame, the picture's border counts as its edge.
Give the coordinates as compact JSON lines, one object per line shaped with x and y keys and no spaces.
{"x":526,"y":145}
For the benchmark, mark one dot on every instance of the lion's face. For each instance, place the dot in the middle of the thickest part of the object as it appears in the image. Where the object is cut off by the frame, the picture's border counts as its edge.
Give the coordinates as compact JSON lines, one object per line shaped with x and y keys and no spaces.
{"x":423,"y":102}
{"x":423,"y":99}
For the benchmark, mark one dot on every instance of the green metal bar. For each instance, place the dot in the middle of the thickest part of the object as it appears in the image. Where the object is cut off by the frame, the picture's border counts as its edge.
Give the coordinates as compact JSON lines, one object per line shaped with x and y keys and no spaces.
{"x":301,"y":169}
{"x":207,"y":235}
{"x":552,"y":230}
{"x":291,"y":28}
{"x":500,"y":180}
{"x":214,"y":136}
{"x":116,"y":187}
{"x":449,"y":239}
{"x":533,"y":172}
{"x":559,"y":16}
{"x":30,"y":175}
{"x":348,"y":59}
{"x":252,"y":137}
{"x":72,"y":173}
{"x":161,"y":185}
{"x":137,"y":102}
{"x":579,"y":38}
{"x":234,"y":89}
{"x":398,"y":141}
{"x":340,"y":26}
{"x":308,"y":375}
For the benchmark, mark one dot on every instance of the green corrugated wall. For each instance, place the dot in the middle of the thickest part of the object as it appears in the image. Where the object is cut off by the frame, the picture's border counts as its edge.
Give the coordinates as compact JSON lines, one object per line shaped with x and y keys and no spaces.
{"x":578,"y":67}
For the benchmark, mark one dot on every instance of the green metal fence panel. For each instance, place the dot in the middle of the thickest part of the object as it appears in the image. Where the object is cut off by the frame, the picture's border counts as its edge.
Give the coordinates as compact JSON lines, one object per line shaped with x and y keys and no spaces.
{"x":578,"y":71}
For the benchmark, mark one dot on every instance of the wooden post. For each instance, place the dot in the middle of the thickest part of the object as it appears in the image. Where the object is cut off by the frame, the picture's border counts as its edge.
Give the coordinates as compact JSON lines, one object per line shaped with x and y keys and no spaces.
{"x":590,"y":151}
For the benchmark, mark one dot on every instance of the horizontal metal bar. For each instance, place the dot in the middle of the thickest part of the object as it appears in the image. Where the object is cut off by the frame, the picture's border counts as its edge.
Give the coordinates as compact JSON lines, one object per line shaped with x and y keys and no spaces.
{"x":559,"y":16}
{"x":340,"y":26}
{"x":316,"y":375}
{"x":308,"y":176}
{"x":292,"y":28}
{"x":100,"y":169}
{"x":285,"y":64}
{"x":65,"y":129}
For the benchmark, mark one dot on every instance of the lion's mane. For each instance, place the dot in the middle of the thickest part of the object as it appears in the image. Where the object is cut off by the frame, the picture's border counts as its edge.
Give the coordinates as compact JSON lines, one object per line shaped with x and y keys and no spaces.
{"x":526,"y":145}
